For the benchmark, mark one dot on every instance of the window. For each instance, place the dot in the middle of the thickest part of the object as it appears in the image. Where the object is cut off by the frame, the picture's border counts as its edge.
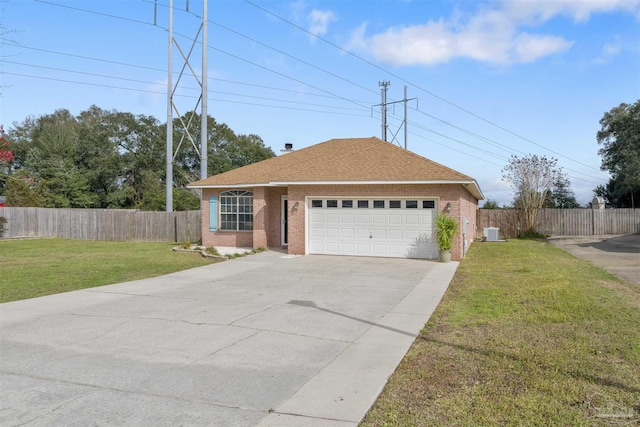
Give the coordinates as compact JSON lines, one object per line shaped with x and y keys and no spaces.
{"x":378,"y":204}
{"x":412,"y":204}
{"x":316,"y":203}
{"x":395,"y":204}
{"x":236,"y":210}
{"x":363,"y":203}
{"x":347,"y":203}
{"x":428,"y":204}
{"x":332,"y":203}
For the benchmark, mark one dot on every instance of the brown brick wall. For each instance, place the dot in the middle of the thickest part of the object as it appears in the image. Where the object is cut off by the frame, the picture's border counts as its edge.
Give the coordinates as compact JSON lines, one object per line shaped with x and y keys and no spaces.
{"x":267,"y":212}
{"x":241,"y":239}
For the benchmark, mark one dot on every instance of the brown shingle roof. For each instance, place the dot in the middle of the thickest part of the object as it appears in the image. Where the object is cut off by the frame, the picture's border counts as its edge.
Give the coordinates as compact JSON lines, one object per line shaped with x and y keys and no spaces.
{"x":339,"y":160}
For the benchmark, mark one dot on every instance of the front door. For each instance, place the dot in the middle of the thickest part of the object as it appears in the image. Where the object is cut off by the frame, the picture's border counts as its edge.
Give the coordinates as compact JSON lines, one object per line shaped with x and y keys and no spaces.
{"x":284,"y":231}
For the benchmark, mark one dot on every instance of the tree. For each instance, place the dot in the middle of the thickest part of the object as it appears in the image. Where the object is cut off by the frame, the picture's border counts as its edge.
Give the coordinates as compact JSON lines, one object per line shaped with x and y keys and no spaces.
{"x":490,"y":204}
{"x":620,"y":139}
{"x":561,"y":196}
{"x":111,"y":159}
{"x":6,"y":157}
{"x":531,"y":178}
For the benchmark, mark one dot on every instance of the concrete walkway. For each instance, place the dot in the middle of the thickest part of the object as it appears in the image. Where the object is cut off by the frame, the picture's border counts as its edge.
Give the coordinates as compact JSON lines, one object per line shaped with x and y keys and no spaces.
{"x":266,"y":340}
{"x":618,"y":254}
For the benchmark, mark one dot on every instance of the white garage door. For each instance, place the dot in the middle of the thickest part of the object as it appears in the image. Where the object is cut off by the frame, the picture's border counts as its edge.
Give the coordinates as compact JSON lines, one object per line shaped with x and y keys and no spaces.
{"x":372,"y":227}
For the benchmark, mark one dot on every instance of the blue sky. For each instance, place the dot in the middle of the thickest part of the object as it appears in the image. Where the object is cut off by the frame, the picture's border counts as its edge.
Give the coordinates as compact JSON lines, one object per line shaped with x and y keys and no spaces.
{"x":491,"y":78}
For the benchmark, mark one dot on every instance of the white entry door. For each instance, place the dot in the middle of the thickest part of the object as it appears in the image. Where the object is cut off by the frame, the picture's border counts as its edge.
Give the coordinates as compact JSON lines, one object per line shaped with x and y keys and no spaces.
{"x":372,"y":227}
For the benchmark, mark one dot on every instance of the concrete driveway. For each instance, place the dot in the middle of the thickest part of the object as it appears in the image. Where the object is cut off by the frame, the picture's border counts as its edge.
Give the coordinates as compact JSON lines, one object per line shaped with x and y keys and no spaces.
{"x":268,"y":339}
{"x":618,"y":254}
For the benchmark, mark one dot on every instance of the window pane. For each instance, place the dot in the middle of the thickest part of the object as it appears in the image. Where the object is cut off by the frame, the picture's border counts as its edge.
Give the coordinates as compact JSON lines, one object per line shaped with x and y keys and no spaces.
{"x":428,"y":204}
{"x":378,"y":204}
{"x":332,"y":203}
{"x":347,"y":203}
{"x":395,"y":204}
{"x":316,"y":203}
{"x":228,"y":222}
{"x":363,"y":203}
{"x":412,"y":204}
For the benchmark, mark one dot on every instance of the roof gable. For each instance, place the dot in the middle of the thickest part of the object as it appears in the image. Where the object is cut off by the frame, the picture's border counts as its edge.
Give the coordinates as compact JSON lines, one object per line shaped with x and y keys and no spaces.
{"x":355,"y":159}
{"x":339,"y":160}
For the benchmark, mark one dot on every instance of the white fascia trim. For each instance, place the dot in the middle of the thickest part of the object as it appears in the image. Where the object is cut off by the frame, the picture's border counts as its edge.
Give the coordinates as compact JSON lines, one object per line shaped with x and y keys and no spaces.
{"x":466,"y":182}
{"x":230,"y":186}
{"x":473,"y":182}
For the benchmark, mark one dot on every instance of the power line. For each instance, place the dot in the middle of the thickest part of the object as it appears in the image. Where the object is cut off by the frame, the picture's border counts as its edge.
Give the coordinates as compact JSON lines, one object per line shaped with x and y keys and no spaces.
{"x":331,"y":95}
{"x":413,"y":84}
{"x":181,"y":95}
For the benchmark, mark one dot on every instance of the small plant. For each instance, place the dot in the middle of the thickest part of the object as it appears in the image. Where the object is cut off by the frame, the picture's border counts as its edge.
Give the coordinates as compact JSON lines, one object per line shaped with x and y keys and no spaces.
{"x":446,"y":228}
{"x":533,"y":235}
{"x":3,"y":228}
{"x":211,"y":250}
{"x":258,"y":250}
{"x":185,"y":245}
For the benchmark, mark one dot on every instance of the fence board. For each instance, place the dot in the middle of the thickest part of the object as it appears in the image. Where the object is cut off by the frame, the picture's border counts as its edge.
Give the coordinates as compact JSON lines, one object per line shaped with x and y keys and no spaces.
{"x":564,"y":222}
{"x":103,"y":224}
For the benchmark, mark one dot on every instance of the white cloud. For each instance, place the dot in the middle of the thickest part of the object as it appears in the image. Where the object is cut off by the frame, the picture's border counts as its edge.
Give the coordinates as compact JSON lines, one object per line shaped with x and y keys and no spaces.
{"x":492,"y":34}
{"x":609,"y":51}
{"x":319,"y":21}
{"x":578,"y":10}
{"x":528,"y":48}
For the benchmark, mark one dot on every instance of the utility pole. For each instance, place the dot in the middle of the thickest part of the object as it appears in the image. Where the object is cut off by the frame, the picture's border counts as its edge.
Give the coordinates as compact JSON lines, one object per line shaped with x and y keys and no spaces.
{"x":171,"y":105}
{"x":384,"y":104}
{"x":384,"y":85}
{"x":169,"y":175}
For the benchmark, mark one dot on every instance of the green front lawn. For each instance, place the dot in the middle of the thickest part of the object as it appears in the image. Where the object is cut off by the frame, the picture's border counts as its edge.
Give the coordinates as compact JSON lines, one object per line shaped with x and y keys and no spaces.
{"x":526,"y":335}
{"x":32,"y":268}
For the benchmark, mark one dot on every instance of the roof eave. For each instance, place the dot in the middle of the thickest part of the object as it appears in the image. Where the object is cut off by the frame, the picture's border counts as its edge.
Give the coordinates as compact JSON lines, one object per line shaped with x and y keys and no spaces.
{"x":470,"y":185}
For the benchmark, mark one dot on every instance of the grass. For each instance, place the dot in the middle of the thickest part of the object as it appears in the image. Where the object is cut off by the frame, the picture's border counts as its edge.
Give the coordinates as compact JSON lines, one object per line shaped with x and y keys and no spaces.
{"x":526,"y":335}
{"x":32,"y":268}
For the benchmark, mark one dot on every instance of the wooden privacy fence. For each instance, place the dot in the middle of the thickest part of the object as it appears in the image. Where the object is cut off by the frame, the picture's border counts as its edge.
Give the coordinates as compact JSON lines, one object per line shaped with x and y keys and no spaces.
{"x":103,"y":224}
{"x":564,"y":222}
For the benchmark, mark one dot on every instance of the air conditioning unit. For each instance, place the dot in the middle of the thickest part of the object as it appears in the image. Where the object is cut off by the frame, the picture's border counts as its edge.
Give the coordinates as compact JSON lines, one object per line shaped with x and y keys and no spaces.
{"x":491,"y":234}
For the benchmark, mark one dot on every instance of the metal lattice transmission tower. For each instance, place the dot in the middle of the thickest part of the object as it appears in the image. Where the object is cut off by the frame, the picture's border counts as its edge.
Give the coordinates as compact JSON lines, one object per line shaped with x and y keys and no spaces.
{"x":186,"y":68}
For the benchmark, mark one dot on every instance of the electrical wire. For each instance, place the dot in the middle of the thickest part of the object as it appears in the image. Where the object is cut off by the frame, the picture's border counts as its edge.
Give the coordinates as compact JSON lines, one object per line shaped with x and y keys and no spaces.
{"x":329,"y":94}
{"x":414,"y":85}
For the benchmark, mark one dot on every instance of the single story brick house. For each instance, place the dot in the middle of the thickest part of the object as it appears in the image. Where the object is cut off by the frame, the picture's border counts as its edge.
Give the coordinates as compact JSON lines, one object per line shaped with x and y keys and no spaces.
{"x":356,"y":196}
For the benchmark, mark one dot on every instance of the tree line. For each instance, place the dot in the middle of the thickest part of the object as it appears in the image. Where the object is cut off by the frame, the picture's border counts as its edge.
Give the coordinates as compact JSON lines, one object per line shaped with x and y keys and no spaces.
{"x":538,"y":182}
{"x":110,"y":159}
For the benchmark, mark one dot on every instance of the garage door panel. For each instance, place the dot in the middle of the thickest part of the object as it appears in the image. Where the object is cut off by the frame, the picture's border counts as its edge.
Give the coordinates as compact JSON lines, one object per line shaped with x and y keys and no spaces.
{"x":412,"y":219}
{"x":363,"y":218}
{"x":379,"y":234}
{"x":347,"y":219}
{"x":332,"y":232}
{"x":378,"y":219}
{"x":379,"y":249}
{"x":395,"y":219}
{"x":332,"y":247}
{"x":331,"y":218}
{"x":348,"y":233}
{"x":363,"y":248}
{"x":397,"y":232}
{"x":363,"y":233}
{"x":348,"y":248}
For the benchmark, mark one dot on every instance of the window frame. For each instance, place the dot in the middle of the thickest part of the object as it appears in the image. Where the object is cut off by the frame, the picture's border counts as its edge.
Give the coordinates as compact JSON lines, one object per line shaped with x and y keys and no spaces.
{"x":236,"y":207}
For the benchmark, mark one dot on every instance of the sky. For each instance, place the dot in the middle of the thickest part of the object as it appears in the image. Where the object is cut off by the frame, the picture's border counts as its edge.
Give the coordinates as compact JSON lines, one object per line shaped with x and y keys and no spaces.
{"x":485,"y":79}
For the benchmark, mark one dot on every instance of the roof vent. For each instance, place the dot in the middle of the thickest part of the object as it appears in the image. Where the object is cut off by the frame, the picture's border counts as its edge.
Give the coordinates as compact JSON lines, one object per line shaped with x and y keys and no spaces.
{"x":288,"y":148}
